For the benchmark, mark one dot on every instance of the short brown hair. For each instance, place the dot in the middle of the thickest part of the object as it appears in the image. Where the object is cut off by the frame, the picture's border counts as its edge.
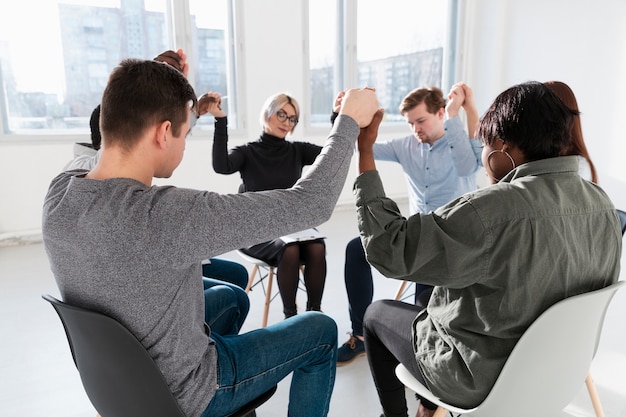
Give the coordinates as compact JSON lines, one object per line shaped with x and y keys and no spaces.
{"x":431,"y":96}
{"x":140,"y":93}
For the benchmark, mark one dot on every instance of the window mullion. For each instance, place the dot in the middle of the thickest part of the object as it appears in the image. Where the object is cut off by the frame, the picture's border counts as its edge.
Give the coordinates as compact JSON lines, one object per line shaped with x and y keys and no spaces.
{"x":180,"y":30}
{"x":349,"y":59}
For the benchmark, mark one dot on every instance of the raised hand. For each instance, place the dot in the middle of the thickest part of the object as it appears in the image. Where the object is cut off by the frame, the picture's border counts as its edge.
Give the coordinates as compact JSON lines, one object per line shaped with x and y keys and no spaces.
{"x":360,"y":104}
{"x":211,"y":102}
{"x":177,"y":59}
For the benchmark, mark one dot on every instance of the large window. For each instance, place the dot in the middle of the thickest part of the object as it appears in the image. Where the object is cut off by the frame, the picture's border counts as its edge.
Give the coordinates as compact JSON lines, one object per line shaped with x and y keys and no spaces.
{"x":213,"y":49}
{"x":394,"y":46}
{"x":56,"y":55}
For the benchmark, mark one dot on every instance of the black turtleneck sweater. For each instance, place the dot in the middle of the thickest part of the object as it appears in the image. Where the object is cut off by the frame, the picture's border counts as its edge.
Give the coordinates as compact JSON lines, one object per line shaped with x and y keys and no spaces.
{"x":266,"y":164}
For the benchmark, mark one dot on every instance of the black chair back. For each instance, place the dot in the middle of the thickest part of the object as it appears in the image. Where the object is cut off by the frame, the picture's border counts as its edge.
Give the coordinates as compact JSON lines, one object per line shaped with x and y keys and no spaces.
{"x":117,"y":372}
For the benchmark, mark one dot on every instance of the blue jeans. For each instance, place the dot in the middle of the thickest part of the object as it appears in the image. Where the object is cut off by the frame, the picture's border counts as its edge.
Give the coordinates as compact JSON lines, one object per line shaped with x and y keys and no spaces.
{"x":225,"y":270}
{"x":360,"y":284}
{"x":226,"y":306}
{"x":251,"y":363}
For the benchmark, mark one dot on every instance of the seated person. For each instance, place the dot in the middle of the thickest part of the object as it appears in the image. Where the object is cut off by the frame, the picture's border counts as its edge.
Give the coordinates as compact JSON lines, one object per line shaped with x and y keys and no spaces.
{"x":86,"y":154}
{"x":232,"y":300}
{"x":497,"y":257}
{"x":440,"y":162}
{"x":119,"y":245}
{"x":270,"y":163}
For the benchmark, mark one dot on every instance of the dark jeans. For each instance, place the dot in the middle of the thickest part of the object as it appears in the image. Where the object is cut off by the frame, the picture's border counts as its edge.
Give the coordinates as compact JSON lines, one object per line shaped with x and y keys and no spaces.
{"x":226,"y":306}
{"x":389,"y":341}
{"x":249,"y":364}
{"x":360,"y":285}
{"x":225,"y":270}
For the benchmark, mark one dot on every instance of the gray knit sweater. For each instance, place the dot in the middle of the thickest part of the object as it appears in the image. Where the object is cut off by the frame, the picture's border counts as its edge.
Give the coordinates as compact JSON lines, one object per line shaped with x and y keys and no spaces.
{"x":134,"y":252}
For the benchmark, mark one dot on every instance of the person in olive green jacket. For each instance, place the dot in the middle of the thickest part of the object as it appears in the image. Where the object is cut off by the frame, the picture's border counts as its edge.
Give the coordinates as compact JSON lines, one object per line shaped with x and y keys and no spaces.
{"x":497,"y":257}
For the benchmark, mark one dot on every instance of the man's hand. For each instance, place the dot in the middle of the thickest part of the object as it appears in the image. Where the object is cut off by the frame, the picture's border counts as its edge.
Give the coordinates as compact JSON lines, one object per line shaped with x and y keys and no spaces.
{"x":338,"y":99}
{"x":177,"y":59}
{"x":456,"y":98}
{"x":360,"y":104}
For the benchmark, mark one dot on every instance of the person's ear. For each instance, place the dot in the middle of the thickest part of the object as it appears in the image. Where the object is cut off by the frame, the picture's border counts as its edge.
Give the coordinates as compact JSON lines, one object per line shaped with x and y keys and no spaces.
{"x":162,"y":132}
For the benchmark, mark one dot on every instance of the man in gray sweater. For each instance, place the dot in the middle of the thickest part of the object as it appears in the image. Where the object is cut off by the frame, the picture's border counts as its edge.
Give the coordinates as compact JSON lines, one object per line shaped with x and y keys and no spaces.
{"x":121,"y":246}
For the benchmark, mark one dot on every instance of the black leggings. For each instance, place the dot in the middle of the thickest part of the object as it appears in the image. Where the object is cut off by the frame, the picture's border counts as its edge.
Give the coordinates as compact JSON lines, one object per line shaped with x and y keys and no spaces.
{"x":313,"y":256}
{"x":388,"y":342}
{"x":288,"y":258}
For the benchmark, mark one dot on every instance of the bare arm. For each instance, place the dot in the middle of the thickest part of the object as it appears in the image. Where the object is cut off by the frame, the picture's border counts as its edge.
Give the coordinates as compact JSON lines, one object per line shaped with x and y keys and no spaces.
{"x":470,"y":111}
{"x":365,"y":143}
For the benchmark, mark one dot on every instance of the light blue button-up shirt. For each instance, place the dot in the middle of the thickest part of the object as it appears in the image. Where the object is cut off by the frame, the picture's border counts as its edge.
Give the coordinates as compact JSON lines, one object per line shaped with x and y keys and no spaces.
{"x":435,"y":174}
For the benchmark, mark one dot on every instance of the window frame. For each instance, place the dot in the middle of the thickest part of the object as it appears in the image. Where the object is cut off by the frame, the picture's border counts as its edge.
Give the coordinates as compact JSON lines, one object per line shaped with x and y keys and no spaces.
{"x":347,"y":60}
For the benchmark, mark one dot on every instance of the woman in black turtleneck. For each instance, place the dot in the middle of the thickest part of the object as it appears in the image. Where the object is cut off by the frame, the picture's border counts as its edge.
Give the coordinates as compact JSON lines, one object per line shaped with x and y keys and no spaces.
{"x":271,"y":162}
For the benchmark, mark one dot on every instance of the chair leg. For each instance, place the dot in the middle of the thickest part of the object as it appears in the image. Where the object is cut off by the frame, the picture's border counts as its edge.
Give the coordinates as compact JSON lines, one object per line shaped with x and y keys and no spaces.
{"x":255,"y":269}
{"x":440,"y":411}
{"x":268,"y":296}
{"x":593,"y":394}
{"x":400,"y":291}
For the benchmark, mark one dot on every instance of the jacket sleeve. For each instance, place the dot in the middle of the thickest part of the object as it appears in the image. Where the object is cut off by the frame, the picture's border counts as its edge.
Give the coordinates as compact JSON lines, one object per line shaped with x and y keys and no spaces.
{"x":445,"y":247}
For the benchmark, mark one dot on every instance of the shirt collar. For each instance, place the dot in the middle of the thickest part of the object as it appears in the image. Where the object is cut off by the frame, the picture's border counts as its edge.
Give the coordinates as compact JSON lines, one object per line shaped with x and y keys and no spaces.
{"x":559,"y":164}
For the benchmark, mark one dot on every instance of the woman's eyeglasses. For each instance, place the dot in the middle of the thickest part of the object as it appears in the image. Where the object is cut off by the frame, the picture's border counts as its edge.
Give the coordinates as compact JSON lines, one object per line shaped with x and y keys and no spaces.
{"x":282,"y":116}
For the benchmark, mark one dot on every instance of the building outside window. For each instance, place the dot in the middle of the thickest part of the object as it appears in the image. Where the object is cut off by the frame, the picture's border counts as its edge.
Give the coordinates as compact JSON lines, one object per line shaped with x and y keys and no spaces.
{"x":55,"y":88}
{"x":395,"y":46}
{"x":50,"y":86}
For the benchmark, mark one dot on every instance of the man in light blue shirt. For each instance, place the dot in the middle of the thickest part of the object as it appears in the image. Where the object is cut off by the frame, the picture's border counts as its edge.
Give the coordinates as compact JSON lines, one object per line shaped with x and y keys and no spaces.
{"x":440,"y":162}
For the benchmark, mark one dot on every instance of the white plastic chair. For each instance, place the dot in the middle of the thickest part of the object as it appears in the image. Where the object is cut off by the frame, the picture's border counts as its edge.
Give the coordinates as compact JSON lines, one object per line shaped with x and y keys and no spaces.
{"x":547,"y":365}
{"x":264,"y":270}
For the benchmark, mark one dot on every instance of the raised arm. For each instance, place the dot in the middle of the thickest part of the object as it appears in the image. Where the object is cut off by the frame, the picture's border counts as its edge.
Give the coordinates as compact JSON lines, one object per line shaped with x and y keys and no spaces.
{"x":260,"y":216}
{"x":224,"y":162}
{"x":365,"y":143}
{"x":465,"y":150}
{"x":470,"y":111}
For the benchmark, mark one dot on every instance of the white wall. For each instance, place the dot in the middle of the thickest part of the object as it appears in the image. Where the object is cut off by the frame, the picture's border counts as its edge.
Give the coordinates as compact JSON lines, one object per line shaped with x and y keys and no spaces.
{"x":576,"y":41}
{"x":580,"y":42}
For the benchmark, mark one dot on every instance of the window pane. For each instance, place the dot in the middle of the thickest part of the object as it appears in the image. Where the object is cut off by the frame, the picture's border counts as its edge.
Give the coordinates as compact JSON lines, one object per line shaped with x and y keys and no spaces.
{"x":322,"y":47}
{"x":400,"y":48}
{"x":55,"y":83}
{"x":210,"y":48}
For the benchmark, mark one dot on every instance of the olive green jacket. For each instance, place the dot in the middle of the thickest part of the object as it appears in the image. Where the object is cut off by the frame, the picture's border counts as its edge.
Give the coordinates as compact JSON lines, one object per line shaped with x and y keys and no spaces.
{"x":498,"y":257}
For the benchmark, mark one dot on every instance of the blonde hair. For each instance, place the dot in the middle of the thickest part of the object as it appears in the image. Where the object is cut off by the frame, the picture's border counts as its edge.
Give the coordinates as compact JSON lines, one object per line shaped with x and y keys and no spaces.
{"x":275,"y":103}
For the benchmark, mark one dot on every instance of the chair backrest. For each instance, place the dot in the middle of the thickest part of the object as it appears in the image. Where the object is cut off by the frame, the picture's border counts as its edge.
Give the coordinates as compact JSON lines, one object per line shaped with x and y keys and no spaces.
{"x":118,"y":374}
{"x":550,"y":362}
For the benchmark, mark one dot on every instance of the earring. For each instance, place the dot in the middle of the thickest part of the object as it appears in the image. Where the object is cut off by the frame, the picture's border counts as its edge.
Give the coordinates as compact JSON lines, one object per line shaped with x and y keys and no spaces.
{"x":492,"y":153}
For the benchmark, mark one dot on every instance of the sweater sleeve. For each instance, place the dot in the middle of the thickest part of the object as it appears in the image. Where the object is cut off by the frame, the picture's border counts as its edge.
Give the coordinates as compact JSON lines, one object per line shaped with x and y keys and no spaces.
{"x":225,"y":162}
{"x":217,"y":223}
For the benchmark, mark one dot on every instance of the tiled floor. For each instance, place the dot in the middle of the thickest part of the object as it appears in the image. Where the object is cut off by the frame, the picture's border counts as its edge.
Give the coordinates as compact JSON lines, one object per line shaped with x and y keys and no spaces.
{"x":37,"y":376}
